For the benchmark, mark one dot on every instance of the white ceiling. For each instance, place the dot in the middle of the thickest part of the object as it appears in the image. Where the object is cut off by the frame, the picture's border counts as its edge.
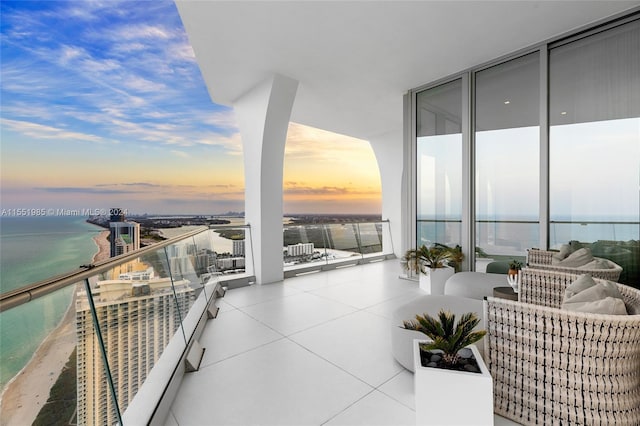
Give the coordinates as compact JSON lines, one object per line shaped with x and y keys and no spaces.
{"x":355,"y":60}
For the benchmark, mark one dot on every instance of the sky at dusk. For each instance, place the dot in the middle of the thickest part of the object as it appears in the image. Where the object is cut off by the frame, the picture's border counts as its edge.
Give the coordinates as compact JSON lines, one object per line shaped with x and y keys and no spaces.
{"x":103,"y":105}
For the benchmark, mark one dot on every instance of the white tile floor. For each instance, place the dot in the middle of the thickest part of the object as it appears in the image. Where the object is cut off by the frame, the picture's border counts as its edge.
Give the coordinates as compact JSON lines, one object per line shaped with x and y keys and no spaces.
{"x":311,"y":350}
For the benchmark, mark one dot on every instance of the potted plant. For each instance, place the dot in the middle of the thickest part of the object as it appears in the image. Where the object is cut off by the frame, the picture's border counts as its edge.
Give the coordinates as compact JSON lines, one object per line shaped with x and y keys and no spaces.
{"x":431,"y":264}
{"x":449,"y":369}
{"x":514,"y":267}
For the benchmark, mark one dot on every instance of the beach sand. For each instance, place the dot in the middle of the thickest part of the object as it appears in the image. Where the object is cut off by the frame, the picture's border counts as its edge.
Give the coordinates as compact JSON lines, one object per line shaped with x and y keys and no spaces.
{"x":103,"y":247}
{"x":25,"y":395}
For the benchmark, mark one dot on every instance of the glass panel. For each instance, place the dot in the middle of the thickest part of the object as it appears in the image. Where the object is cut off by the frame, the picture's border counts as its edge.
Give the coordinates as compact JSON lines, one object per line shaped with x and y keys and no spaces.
{"x":342,"y":242}
{"x":595,"y":145}
{"x":140,"y":306}
{"x":38,"y":340}
{"x":439,"y":164}
{"x":203,"y":262}
{"x":230,"y":246}
{"x":304,"y":245}
{"x":370,"y":235}
{"x":507,"y":157}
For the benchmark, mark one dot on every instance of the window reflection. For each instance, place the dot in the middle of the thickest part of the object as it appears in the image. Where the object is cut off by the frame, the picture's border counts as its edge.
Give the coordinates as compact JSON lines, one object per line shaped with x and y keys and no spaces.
{"x":595,"y":137}
{"x":439,"y":164}
{"x":594,"y":146}
{"x":507,"y":157}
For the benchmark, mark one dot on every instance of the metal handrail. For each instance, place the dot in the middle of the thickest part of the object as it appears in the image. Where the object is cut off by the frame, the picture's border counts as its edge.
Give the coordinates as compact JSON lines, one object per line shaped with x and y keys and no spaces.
{"x":288,"y":225}
{"x":24,"y":294}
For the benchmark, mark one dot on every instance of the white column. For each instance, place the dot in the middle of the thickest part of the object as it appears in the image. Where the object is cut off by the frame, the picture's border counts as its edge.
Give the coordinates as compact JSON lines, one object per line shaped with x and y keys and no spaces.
{"x":389,"y":151}
{"x":263,"y":116}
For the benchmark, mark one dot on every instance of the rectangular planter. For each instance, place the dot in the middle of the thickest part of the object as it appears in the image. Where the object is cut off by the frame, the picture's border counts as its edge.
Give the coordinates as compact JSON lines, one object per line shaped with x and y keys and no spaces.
{"x":448,"y":397}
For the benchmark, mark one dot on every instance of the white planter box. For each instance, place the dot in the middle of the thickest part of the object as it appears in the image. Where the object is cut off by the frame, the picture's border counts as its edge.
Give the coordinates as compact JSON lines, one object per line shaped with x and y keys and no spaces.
{"x":449,"y":397}
{"x":433,"y":281}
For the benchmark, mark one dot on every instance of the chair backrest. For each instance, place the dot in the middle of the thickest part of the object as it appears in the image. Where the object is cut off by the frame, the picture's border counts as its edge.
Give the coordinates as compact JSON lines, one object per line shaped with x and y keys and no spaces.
{"x":542,"y":259}
{"x":546,"y":288}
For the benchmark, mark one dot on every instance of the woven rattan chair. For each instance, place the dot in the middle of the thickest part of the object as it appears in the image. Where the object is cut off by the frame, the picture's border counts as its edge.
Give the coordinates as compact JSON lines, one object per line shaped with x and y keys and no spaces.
{"x":541,"y":259}
{"x":556,"y":367}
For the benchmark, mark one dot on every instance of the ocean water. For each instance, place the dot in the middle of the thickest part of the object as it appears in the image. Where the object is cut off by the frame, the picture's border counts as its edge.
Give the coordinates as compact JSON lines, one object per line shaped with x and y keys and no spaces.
{"x":33,"y":249}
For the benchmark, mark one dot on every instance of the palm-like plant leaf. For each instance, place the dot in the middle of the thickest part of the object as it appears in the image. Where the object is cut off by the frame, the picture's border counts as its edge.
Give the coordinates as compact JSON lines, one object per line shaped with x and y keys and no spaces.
{"x":431,"y":257}
{"x":445,"y":334}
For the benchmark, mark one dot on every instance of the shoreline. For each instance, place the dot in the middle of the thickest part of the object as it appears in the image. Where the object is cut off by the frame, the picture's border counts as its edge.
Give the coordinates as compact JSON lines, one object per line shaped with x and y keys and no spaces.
{"x":26,"y":393}
{"x":104,"y":249}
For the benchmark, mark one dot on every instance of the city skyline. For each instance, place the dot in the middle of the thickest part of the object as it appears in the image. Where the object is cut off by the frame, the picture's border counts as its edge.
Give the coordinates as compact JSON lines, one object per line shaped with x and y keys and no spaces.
{"x":103,"y":105}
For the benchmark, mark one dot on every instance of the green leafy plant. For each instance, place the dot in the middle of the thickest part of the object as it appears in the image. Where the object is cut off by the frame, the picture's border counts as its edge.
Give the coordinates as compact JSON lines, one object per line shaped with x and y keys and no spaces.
{"x":480,"y":252}
{"x":445,"y":334}
{"x":516,"y":265}
{"x":436,"y":256}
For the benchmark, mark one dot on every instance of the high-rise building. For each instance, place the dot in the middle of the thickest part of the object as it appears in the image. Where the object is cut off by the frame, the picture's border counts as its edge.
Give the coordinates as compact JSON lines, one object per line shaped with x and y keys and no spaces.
{"x":116,"y":215}
{"x":124,"y":237}
{"x":238,"y":247}
{"x":138,"y":315}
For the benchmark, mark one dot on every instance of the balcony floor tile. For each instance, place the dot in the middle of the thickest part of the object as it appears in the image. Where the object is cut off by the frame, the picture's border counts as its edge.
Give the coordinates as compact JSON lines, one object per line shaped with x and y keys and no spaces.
{"x":232,"y":333}
{"x":400,"y":388}
{"x":359,"y":343}
{"x":366,"y":293}
{"x":251,"y":295}
{"x":375,"y":409}
{"x":296,"y":313}
{"x":277,"y":384}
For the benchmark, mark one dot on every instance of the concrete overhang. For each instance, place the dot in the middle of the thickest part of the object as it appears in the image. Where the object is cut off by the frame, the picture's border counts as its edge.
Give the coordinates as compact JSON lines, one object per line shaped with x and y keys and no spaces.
{"x":355,"y":59}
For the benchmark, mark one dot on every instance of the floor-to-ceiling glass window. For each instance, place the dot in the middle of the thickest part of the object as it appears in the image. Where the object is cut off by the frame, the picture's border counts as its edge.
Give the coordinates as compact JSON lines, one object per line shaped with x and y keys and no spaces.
{"x":507,"y":141}
{"x":439,"y":164}
{"x":594,"y":117}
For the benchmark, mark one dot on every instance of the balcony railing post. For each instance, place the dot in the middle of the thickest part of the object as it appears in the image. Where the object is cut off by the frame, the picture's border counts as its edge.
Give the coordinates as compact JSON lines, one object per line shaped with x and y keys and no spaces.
{"x":175,"y":296}
{"x":325,"y":240}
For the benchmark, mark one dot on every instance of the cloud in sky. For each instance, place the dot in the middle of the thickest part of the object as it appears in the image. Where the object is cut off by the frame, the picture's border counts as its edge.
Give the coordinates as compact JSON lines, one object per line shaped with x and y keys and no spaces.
{"x":99,"y":95}
{"x":40,"y":131}
{"x":86,"y":190}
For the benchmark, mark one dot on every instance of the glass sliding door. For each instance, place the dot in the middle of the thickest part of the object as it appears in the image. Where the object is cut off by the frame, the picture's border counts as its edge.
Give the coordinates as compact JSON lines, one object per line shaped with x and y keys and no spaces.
{"x":507,"y":158}
{"x":439,"y":164}
{"x":594,"y":145}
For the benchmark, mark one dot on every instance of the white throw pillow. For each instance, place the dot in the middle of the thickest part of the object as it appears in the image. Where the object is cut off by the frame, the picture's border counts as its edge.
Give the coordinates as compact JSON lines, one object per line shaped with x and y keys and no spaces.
{"x":596,"y":263}
{"x":608,"y":305}
{"x":565,"y":250}
{"x":577,"y":258}
{"x":585,"y":295}
{"x":582,"y":283}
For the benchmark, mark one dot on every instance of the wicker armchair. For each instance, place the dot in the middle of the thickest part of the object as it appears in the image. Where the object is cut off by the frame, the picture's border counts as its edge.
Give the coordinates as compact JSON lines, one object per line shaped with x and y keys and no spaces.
{"x":553,"y":366}
{"x":541,"y":259}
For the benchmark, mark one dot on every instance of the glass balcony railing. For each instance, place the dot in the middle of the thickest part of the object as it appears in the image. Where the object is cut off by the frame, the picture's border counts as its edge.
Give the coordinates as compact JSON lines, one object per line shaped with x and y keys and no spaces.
{"x":444,"y":231}
{"x":113,"y":332}
{"x":316,"y":246}
{"x":101,"y":344}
